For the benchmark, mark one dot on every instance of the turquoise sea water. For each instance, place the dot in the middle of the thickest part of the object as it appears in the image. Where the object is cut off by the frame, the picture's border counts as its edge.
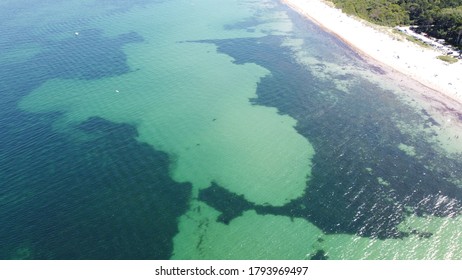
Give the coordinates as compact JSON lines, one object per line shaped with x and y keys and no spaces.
{"x":161,"y":129}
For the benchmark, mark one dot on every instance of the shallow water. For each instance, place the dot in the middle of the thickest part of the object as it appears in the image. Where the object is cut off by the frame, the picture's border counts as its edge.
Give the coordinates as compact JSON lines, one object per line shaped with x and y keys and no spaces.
{"x":159,"y":130}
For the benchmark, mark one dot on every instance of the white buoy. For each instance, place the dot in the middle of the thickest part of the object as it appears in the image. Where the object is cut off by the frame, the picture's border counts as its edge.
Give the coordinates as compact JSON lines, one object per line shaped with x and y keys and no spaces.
{"x":76,"y":33}
{"x":117,"y":90}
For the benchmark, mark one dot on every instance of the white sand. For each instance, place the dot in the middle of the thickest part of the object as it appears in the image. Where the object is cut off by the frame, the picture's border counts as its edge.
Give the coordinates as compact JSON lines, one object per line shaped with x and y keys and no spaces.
{"x":381,"y":44}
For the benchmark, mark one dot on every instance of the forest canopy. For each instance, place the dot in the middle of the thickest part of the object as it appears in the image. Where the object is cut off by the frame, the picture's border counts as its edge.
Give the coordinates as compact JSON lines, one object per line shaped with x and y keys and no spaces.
{"x":439,"y":18}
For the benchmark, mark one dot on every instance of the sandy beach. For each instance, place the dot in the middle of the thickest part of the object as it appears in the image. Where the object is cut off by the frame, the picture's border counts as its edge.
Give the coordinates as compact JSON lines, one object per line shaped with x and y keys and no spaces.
{"x":380,"y":44}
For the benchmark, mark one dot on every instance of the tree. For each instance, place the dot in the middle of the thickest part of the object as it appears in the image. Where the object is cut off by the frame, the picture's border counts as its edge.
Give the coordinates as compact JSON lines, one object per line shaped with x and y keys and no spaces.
{"x":448,"y":23}
{"x":439,"y":18}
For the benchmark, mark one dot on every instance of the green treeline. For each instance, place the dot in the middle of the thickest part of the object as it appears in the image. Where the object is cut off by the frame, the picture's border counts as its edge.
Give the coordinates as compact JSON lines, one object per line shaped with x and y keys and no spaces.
{"x":439,"y":18}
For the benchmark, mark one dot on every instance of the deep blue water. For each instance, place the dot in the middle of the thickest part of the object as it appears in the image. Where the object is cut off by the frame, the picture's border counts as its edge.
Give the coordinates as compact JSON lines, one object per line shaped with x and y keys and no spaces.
{"x":62,"y":198}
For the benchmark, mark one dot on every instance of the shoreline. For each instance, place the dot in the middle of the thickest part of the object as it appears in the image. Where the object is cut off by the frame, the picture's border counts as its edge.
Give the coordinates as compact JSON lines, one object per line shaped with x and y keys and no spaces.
{"x":386,"y":49}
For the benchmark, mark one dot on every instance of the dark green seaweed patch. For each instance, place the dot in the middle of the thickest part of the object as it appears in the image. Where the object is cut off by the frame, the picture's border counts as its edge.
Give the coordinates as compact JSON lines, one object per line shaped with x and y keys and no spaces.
{"x":361,"y":182}
{"x":319,"y":255}
{"x":229,"y":204}
{"x":108,"y":198}
{"x":247,"y":24}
